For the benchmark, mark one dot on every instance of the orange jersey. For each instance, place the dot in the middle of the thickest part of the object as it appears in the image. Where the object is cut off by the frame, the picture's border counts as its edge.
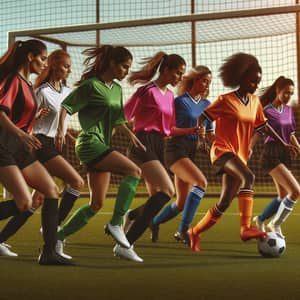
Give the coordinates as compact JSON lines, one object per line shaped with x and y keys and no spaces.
{"x":235,"y":122}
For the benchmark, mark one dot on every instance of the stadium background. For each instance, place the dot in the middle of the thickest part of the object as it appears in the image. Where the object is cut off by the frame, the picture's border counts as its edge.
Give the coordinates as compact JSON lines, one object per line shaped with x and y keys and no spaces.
{"x":203,"y":32}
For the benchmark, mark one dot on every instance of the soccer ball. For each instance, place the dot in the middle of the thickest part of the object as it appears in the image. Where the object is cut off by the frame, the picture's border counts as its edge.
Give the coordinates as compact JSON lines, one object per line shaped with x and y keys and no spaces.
{"x":273,"y":245}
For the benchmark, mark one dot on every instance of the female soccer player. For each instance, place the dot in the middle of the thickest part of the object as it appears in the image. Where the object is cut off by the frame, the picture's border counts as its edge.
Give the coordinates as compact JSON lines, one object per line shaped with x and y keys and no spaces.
{"x":152,"y":109}
{"x":190,"y":182}
{"x":18,"y":165}
{"x":237,"y":114}
{"x":51,"y":91}
{"x":276,"y":160}
{"x":98,"y":101}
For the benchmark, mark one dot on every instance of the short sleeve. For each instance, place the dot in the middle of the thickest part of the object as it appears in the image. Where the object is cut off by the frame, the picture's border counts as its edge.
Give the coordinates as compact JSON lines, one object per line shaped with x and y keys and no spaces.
{"x":260,"y":119}
{"x":78,"y":99}
{"x":131,"y":105}
{"x":9,"y":89}
{"x":217,"y":108}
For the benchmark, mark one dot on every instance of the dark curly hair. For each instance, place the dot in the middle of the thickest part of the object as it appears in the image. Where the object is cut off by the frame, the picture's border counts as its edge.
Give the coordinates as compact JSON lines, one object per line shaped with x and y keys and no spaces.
{"x":237,"y":67}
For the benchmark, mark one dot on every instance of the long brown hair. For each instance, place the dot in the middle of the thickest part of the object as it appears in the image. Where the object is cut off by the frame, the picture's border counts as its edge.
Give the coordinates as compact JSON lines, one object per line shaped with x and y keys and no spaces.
{"x":159,"y":61}
{"x":270,"y":93}
{"x":16,"y":55}
{"x":54,"y":60}
{"x":99,"y":58}
{"x":187,"y":82}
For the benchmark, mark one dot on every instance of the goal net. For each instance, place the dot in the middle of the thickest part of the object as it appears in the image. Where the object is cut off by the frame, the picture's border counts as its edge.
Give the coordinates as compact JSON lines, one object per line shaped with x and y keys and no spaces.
{"x":202,"y":34}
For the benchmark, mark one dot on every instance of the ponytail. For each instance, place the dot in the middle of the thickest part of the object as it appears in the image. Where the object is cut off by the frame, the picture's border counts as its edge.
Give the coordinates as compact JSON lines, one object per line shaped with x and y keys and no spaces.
{"x":99,"y":58}
{"x":149,"y":69}
{"x":271,"y":92}
{"x":16,"y":55}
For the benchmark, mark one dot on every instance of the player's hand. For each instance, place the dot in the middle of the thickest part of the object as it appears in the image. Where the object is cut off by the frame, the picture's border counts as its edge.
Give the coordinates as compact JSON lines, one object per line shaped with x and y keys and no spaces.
{"x":293,"y":150}
{"x":59,"y":140}
{"x":30,"y":141}
{"x":137,"y":143}
{"x":43,"y":112}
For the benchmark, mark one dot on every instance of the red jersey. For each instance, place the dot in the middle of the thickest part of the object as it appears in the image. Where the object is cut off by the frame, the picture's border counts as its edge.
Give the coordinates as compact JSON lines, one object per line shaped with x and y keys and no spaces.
{"x":18,"y":101}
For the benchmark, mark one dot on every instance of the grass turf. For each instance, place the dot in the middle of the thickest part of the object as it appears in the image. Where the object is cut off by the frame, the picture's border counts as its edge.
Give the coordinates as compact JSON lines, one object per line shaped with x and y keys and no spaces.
{"x":225,"y":267}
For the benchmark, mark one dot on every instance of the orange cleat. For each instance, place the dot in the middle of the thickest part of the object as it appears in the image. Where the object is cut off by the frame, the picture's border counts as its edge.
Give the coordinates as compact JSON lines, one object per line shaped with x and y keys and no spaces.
{"x":194,"y":240}
{"x":251,"y":232}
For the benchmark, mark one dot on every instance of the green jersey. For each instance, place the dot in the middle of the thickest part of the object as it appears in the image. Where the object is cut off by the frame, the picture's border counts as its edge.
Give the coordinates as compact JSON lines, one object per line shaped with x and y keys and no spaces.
{"x":99,"y":109}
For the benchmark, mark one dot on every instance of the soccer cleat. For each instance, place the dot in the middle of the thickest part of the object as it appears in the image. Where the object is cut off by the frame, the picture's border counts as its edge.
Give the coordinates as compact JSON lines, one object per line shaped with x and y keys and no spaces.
{"x":259,"y":224}
{"x":118,"y":234}
{"x":194,"y":240}
{"x":125,"y":253}
{"x":5,"y":251}
{"x":251,"y":232}
{"x":127,"y":223}
{"x":59,"y":248}
{"x":275,"y":228}
{"x":53,"y":259}
{"x":182,"y":237}
{"x":154,"y":232}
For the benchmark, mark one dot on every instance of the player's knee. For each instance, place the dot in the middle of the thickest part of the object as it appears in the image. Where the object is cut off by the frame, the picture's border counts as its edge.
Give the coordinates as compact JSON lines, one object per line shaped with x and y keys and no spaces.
{"x":77,"y":184}
{"x":24,"y":206}
{"x":169,"y":190}
{"x":202,"y":183}
{"x":136,"y":172}
{"x":52,"y":191}
{"x":248,"y":179}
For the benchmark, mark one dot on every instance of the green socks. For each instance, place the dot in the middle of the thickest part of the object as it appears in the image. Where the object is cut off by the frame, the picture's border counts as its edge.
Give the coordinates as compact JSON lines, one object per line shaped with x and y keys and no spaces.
{"x":78,"y":220}
{"x":125,"y":196}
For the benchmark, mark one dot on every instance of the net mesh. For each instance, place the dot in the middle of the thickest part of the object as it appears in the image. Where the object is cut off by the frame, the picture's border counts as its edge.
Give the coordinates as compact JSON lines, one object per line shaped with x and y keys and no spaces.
{"x":271,"y":38}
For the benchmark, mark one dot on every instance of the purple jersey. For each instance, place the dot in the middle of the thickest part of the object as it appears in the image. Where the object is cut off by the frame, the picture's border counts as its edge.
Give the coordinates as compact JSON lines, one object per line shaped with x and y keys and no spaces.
{"x":282,"y":121}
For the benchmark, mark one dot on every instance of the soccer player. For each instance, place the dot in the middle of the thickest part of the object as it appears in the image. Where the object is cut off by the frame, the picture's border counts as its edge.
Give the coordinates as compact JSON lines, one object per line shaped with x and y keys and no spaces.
{"x":151,"y":108}
{"x":276,"y":160}
{"x":237,"y":114}
{"x":98,"y":101}
{"x":18,"y":165}
{"x":190,"y":182}
{"x":50,"y":91}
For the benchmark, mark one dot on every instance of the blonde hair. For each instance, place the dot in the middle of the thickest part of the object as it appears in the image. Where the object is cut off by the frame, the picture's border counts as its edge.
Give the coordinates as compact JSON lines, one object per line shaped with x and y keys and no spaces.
{"x":188,"y":80}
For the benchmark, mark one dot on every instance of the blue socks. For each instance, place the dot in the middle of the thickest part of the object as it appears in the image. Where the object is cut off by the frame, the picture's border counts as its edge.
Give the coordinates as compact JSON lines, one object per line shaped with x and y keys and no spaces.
{"x":168,"y":213}
{"x":270,"y":209}
{"x":190,"y":206}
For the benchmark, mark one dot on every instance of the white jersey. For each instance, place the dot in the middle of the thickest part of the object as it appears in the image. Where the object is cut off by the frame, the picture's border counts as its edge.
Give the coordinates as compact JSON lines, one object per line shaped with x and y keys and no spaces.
{"x":48,"y":96}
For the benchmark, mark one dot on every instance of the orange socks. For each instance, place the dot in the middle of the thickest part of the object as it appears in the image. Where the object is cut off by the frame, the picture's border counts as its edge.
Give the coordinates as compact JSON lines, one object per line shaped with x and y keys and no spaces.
{"x":245,"y":205}
{"x":211,"y":218}
{"x":247,"y":231}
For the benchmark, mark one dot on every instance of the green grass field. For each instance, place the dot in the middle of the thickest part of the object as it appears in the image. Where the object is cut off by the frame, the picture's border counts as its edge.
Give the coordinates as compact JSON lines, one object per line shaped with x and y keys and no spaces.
{"x":225,"y":267}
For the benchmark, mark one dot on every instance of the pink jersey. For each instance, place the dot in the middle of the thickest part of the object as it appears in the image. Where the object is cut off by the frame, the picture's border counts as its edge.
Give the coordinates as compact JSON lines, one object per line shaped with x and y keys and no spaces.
{"x":151,"y":109}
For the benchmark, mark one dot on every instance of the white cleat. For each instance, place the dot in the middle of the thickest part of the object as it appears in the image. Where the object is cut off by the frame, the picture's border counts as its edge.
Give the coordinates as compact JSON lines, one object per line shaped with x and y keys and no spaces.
{"x":128,"y":254}
{"x":127,"y":223}
{"x":259,"y":224}
{"x":59,"y":249}
{"x":5,"y":251}
{"x":116,"y":231}
{"x":275,"y":228}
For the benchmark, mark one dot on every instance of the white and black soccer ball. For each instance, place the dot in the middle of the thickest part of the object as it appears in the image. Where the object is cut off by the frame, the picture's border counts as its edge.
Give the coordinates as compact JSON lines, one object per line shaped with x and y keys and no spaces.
{"x":273,"y":245}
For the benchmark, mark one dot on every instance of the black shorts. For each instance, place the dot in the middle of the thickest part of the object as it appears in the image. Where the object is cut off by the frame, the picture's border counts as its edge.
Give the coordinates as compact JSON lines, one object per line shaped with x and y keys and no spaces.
{"x":179,"y":147}
{"x":90,"y":166}
{"x":274,"y":154}
{"x":154,"y":143}
{"x":15,"y":153}
{"x":48,"y":150}
{"x":218,"y":165}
